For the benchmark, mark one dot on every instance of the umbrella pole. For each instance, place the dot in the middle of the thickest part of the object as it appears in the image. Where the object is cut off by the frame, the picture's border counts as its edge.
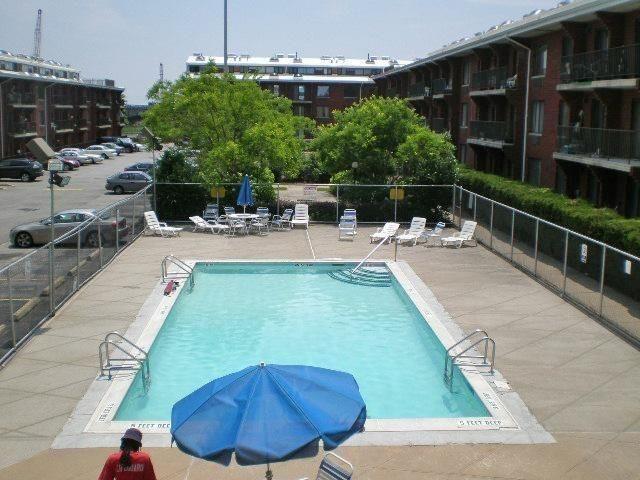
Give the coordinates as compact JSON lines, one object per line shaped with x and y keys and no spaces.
{"x":269,"y":474}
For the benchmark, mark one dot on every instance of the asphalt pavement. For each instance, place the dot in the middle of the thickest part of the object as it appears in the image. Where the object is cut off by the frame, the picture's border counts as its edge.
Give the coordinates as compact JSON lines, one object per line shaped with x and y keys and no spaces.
{"x":27,"y":202}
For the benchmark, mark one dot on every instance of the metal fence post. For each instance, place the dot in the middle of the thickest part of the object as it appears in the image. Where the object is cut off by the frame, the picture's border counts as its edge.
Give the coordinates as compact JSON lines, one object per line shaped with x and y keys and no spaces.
{"x":100,"y":242}
{"x":564,"y":266}
{"x":535,"y":249}
{"x":78,"y":261}
{"x":117,"y":228}
{"x":133,"y":217}
{"x":11,"y":319}
{"x":453,"y":204}
{"x":277,"y":200}
{"x":475,"y":203}
{"x":491,"y":228}
{"x":338,"y":203}
{"x":395,"y":204}
{"x":513,"y":224}
{"x":395,"y":251}
{"x":602,"y":272}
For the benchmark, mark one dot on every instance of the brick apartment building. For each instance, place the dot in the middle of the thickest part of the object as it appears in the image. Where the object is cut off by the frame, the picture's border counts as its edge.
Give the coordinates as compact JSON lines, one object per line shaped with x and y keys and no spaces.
{"x":551,"y":99}
{"x":49,"y":100}
{"x":316,"y":86}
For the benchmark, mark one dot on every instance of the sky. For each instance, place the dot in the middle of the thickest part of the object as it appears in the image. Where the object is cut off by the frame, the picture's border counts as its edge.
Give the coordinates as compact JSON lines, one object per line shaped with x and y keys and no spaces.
{"x":126,"y":40}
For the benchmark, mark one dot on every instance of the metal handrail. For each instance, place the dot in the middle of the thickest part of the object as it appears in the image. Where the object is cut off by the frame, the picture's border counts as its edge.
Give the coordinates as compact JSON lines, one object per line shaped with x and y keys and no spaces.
{"x":371,"y":253}
{"x":187,"y":271}
{"x":450,"y":361}
{"x":104,"y":347}
{"x":127,"y":341}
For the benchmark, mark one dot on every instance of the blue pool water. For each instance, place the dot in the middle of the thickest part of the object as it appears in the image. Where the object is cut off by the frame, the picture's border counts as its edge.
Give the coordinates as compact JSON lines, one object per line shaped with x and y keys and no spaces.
{"x":242,"y":314}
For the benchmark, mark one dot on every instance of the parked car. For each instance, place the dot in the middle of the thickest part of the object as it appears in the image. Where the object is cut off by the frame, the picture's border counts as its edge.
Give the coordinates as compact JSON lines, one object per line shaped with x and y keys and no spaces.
{"x":113,"y":146}
{"x":127,"y":182}
{"x":140,"y":147}
{"x":145,"y":167}
{"x":102,"y":150}
{"x":21,"y":168}
{"x":82,"y":157}
{"x":37,"y":233}
{"x":124,"y":142}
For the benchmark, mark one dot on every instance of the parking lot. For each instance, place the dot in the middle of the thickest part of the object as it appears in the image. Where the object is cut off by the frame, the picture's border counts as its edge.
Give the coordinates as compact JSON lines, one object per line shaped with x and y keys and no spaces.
{"x":27,"y":202}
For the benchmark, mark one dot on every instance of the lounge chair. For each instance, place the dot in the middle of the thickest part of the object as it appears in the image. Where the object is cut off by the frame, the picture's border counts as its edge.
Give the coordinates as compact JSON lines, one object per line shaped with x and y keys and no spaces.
{"x":210,"y":212}
{"x":429,"y":235}
{"x":200,"y":223}
{"x":387,"y":232}
{"x":414,"y":231}
{"x":282,"y":221}
{"x":347,"y":228}
{"x":159,"y":228}
{"x":301,"y":215}
{"x":333,"y":467}
{"x":464,"y":235}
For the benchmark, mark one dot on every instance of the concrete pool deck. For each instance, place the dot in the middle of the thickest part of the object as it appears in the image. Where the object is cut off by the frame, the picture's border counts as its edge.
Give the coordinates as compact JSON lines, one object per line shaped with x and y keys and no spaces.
{"x":580,"y":381}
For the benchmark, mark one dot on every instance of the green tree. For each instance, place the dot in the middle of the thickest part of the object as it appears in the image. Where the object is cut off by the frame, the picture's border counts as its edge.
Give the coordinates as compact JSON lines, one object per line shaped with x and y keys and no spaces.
{"x":235,"y":127}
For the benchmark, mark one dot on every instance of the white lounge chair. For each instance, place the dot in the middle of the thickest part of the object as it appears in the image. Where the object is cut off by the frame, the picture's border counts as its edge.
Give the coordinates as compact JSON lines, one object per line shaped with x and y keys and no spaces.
{"x":464,"y":235}
{"x":347,"y":228}
{"x":414,"y":231}
{"x":282,"y":221}
{"x":301,"y":215}
{"x":435,"y":233}
{"x":388,"y":231}
{"x":159,"y":228}
{"x":200,"y":223}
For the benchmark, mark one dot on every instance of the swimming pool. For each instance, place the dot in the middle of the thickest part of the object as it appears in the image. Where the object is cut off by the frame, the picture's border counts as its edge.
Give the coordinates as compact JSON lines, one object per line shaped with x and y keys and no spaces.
{"x":239,"y":314}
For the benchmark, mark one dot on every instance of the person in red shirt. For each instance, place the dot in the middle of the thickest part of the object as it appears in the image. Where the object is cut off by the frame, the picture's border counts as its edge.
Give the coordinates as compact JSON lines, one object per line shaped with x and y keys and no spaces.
{"x":129,"y":463}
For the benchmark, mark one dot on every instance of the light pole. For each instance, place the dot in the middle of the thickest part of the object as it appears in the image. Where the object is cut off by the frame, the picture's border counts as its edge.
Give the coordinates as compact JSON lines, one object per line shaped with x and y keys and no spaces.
{"x":54,"y":166}
{"x":225,"y":37}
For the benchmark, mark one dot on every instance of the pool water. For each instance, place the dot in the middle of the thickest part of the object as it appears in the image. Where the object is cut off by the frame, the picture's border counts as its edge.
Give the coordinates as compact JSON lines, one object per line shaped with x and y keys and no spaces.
{"x":241,"y":314}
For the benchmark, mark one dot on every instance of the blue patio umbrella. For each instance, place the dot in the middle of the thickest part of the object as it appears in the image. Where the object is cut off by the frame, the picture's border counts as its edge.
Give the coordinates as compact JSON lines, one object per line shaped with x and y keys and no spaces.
{"x":267,"y":413}
{"x":245,"y":196}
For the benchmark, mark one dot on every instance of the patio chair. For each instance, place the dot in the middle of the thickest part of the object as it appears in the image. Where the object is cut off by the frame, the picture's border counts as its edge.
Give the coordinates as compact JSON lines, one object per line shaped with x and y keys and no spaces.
{"x":263,"y":212}
{"x":388,"y":231}
{"x":301,"y":215}
{"x":159,"y":228}
{"x":350,"y":213}
{"x":432,"y":234}
{"x":347,"y":228}
{"x":210,"y":212}
{"x":282,"y":221}
{"x":229,"y":210}
{"x":464,"y":235}
{"x":200,"y":223}
{"x":237,"y":225}
{"x":333,"y":467}
{"x":414,"y":231}
{"x":260,"y":225}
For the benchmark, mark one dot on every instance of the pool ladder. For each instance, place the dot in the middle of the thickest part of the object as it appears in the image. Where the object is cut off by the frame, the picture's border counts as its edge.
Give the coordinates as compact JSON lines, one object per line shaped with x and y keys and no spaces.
{"x":128,"y":361}
{"x":466,"y":358}
{"x":184,"y":270}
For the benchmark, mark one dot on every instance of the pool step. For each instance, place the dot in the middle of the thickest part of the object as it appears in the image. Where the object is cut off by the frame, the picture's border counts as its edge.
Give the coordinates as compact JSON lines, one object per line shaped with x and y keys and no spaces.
{"x":365,"y":276}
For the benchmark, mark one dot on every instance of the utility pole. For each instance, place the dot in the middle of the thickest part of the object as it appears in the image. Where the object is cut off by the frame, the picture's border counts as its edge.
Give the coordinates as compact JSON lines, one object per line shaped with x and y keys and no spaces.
{"x":161,"y":73}
{"x":226,"y":68}
{"x":37,"y":35}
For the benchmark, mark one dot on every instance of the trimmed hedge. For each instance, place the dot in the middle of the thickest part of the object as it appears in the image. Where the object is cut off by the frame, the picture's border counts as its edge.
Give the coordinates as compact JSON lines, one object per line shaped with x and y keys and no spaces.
{"x":575,"y":214}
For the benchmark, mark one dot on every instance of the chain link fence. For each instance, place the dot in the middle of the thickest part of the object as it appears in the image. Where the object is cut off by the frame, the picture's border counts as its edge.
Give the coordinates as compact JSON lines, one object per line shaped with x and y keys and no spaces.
{"x":37,"y":284}
{"x":597,"y":277}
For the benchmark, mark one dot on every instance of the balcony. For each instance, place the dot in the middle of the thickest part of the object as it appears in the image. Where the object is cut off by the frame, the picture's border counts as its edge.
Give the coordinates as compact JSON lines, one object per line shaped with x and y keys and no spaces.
{"x":103,"y":104}
{"x":617,"y":68}
{"x":489,"y":134}
{"x":83,"y":124}
{"x":418,"y":91}
{"x":62,"y":101}
{"x":22,"y":99}
{"x":65,"y":125}
{"x":104,"y":123}
{"x":439,"y":125}
{"x":24,"y":129}
{"x":611,"y":149}
{"x":441,"y":87}
{"x":392,"y":92}
{"x":492,"y":82}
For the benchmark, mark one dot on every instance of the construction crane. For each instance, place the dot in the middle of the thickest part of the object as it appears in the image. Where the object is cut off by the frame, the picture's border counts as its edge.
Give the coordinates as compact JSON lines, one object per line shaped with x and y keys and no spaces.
{"x":37,"y":35}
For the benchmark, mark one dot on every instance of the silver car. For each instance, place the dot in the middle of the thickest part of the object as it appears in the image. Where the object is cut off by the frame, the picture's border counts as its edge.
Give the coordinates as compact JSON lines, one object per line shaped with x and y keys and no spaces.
{"x":38,"y":233}
{"x":84,"y":159}
{"x":113,"y":146}
{"x":101,"y":150}
{"x":127,"y":182}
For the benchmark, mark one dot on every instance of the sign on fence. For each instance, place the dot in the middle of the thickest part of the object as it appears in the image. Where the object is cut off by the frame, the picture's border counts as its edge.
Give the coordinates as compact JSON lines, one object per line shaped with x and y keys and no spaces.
{"x":217,"y":192}
{"x":396,"y":194}
{"x":310,"y":191}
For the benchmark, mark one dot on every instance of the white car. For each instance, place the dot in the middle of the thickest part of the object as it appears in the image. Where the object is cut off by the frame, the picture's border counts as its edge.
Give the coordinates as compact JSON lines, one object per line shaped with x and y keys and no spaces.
{"x":113,"y":146}
{"x":101,"y":150}
{"x":83,"y":158}
{"x":141,"y":147}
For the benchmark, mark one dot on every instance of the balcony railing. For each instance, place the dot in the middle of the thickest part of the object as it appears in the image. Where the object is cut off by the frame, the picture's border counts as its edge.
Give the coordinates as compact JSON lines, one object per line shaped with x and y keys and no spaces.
{"x":441,"y":86}
{"x":65,"y":124}
{"x":418,"y":89}
{"x":20,"y":128}
{"x":618,"y":62}
{"x":494,"y":79}
{"x":22,"y":98}
{"x":392,"y":92}
{"x":439,"y":125}
{"x":62,"y":100}
{"x":496,"y":131}
{"x":599,"y":142}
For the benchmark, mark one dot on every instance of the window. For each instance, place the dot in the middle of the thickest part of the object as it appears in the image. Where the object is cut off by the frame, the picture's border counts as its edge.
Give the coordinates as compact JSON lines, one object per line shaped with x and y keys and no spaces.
{"x":351,"y":91}
{"x":537,"y":117}
{"x":276,"y":89}
{"x":124,"y":176}
{"x":465,"y":73}
{"x":533,"y":171}
{"x":322,"y":112}
{"x":64,"y":218}
{"x":540,"y":61}
{"x":300,"y":92}
{"x":563,"y":114}
{"x":464,"y":115}
{"x":601,"y":39}
{"x":323,"y":90}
